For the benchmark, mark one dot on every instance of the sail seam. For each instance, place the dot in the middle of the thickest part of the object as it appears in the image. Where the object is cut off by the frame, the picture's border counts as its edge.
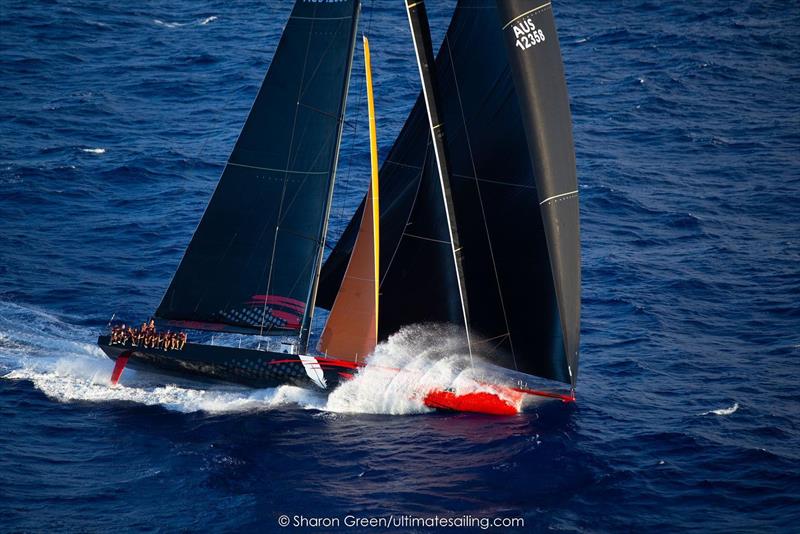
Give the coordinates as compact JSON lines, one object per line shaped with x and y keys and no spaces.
{"x":320,"y":18}
{"x":487,"y":340}
{"x":275,"y":170}
{"x":390,"y":162}
{"x":429,"y":239}
{"x":360,"y":278}
{"x":534,"y":10}
{"x":489,"y":181}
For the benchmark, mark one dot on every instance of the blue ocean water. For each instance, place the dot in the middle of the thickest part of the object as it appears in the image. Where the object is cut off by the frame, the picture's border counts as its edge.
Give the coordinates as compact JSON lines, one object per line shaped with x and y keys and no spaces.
{"x":116,"y":121}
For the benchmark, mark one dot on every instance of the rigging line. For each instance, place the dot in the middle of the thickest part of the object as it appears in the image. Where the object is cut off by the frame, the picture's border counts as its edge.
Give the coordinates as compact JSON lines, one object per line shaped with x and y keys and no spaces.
{"x":321,"y":59}
{"x":294,"y":286}
{"x":321,"y":112}
{"x":354,"y":134}
{"x":303,"y":183}
{"x":480,"y":200}
{"x":322,"y":151}
{"x":347,"y":124}
{"x":285,"y":178}
{"x":445,"y":198}
{"x":346,"y":180}
{"x":487,"y":340}
{"x":410,"y":212}
{"x":305,"y":329}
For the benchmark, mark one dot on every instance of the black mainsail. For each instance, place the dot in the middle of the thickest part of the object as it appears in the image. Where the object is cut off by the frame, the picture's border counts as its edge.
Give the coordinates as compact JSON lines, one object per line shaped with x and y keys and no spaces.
{"x":252,"y":265}
{"x":505,"y":117}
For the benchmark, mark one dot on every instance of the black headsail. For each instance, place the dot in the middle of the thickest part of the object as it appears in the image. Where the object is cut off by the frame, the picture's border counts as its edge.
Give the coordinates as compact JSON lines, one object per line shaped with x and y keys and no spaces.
{"x":253,"y":262}
{"x":529,"y":31}
{"x":498,"y":184}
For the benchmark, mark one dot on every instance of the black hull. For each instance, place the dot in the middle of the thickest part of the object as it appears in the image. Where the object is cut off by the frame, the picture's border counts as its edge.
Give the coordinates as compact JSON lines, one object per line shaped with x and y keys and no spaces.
{"x":248,"y":367}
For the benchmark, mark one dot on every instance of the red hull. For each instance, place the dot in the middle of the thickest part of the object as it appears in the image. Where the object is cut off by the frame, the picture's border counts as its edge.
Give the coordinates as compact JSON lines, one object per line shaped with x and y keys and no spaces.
{"x":485,"y":402}
{"x":478,"y":402}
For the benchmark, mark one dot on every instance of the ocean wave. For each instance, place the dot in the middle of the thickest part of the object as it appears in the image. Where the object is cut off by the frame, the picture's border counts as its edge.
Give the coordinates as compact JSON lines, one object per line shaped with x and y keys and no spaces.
{"x":723,"y":411}
{"x":198,"y":22}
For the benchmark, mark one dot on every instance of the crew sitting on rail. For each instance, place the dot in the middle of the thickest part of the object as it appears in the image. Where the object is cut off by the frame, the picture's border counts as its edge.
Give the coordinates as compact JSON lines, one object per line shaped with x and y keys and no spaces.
{"x":147,"y":337}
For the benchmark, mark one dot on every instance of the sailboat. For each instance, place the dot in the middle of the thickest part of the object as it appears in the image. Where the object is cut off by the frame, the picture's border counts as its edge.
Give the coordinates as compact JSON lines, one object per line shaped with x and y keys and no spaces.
{"x":472,"y":219}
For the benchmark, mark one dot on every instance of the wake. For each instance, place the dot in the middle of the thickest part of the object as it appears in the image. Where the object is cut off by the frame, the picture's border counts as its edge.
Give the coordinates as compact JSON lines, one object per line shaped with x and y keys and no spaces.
{"x":61,"y":360}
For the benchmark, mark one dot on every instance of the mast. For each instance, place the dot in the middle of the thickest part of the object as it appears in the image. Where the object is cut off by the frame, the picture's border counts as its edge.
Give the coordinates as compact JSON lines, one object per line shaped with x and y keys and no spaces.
{"x":421,"y":36}
{"x":305,"y":328}
{"x":352,"y":328}
{"x":373,"y":185}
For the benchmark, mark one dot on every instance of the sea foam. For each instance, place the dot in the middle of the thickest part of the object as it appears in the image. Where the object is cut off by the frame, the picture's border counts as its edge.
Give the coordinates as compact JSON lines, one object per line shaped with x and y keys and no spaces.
{"x":60,"y":360}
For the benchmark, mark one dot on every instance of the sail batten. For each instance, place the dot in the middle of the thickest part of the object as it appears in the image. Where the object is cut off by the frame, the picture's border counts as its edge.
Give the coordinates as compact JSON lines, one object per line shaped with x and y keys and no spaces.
{"x":253,"y":261}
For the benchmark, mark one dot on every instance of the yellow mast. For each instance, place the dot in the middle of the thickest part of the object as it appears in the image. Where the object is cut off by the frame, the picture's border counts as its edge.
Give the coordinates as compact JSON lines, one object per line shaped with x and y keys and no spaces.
{"x":351,"y":332}
{"x":373,"y":150}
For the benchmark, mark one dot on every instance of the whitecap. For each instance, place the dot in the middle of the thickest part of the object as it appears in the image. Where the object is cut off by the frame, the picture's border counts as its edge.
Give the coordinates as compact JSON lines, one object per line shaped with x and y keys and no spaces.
{"x":94,"y":150}
{"x":168,"y":24}
{"x":723,"y":411}
{"x":198,"y":22}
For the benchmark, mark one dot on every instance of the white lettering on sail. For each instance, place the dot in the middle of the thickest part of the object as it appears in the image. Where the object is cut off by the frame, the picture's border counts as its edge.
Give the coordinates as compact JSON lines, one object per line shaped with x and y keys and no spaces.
{"x":527,"y":34}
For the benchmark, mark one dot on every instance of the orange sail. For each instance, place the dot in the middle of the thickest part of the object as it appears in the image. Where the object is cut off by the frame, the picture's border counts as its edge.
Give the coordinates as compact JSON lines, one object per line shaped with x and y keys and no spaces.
{"x":351,"y":332}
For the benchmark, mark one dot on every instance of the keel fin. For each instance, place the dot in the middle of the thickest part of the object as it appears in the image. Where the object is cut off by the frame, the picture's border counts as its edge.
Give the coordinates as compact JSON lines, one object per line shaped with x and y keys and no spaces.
{"x":119,"y":366}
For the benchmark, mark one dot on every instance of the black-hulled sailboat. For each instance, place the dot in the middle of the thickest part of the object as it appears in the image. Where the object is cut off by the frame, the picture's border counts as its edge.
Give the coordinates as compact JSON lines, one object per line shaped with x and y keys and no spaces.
{"x":477,"y":224}
{"x":253,"y":263}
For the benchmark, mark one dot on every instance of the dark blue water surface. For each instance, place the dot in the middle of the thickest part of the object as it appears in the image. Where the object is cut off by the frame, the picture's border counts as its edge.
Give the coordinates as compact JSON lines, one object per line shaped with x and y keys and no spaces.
{"x":116,"y":120}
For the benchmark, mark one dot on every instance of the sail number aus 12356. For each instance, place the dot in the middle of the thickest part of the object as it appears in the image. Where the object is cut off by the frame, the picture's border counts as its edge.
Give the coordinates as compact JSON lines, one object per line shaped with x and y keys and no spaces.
{"x":527,"y":34}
